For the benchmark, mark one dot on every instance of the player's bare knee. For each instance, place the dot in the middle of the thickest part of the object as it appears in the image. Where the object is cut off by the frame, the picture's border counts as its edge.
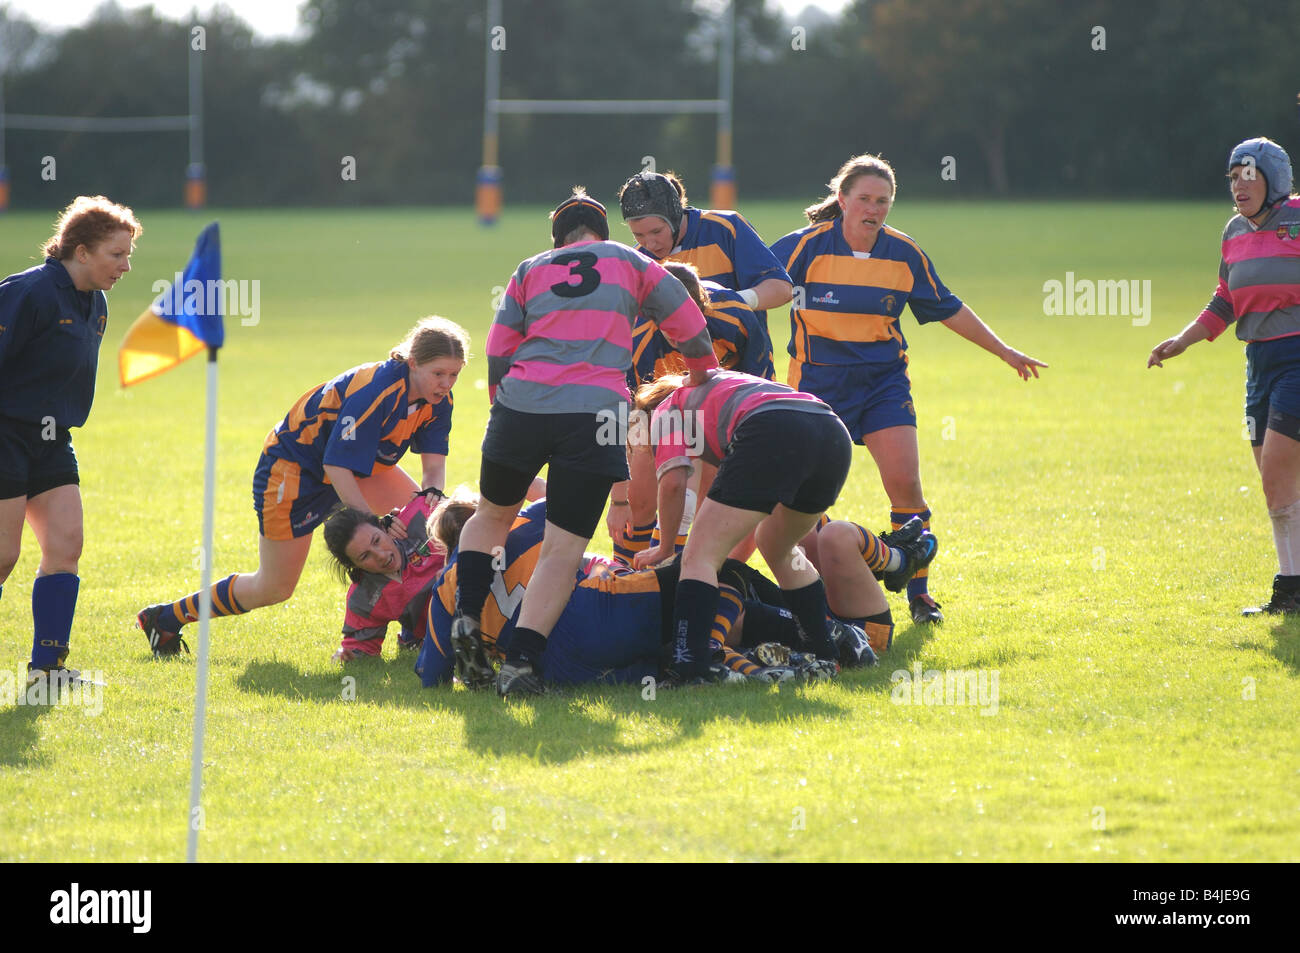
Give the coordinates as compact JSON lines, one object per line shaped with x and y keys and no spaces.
{"x":8,"y":560}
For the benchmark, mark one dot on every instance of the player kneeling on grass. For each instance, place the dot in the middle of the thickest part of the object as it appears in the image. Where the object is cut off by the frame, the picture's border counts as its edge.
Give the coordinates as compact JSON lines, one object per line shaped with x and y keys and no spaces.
{"x":340,"y":442}
{"x":782,"y":459}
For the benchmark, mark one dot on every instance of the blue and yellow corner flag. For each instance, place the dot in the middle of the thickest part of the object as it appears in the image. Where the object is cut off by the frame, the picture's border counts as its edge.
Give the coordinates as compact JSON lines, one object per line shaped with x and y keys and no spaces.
{"x":184,"y":320}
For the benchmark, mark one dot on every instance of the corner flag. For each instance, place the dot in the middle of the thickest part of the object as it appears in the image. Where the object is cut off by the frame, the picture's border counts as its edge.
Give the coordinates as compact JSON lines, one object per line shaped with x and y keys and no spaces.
{"x":184,"y":320}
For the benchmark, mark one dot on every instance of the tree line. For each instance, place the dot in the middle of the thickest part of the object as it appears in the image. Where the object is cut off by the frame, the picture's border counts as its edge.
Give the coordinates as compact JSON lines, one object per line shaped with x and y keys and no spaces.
{"x":968,"y":98}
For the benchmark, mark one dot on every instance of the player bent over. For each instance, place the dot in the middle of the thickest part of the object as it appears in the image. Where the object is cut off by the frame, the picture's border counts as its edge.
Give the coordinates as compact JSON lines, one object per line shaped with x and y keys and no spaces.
{"x":339,"y":443}
{"x":782,"y":459}
{"x":558,"y":352}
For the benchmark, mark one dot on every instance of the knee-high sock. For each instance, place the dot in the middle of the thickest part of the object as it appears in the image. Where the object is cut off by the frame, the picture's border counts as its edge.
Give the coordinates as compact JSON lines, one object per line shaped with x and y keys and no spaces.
{"x":473,"y":582}
{"x":184,"y":611}
{"x":878,"y":556}
{"x":1286,"y":537}
{"x":919,"y":584}
{"x":808,"y":604}
{"x":54,"y":602}
{"x":693,"y":614}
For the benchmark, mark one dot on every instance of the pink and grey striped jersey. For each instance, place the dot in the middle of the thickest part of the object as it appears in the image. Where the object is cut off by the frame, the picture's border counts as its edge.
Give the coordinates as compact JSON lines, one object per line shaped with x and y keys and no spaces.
{"x":1259,"y":278}
{"x":561,"y":342}
{"x":699,"y":422}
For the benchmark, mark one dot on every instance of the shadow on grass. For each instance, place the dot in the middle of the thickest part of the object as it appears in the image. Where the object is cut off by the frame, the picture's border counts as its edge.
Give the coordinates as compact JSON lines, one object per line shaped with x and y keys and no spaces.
{"x":19,"y":735}
{"x":906,"y":651}
{"x":1286,"y":643}
{"x":562,"y":725}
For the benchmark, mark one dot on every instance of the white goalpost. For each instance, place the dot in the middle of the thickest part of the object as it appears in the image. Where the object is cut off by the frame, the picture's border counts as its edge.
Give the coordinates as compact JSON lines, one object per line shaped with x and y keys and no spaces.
{"x":488,"y":192}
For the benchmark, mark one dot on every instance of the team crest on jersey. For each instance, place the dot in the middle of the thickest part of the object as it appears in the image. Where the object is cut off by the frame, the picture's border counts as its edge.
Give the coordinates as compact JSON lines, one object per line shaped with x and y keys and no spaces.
{"x":910,"y":410}
{"x":889,"y":302}
{"x":1285,"y":232}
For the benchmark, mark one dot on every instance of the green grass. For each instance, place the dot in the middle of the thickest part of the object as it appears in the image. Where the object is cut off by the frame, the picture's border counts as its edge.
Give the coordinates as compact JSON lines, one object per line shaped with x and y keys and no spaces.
{"x":1100,"y":528}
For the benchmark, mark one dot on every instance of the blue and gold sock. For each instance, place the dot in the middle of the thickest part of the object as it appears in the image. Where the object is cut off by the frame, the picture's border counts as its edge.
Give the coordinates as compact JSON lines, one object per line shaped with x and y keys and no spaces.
{"x":54,"y":602}
{"x":184,"y":611}
{"x":878,"y":556}
{"x":633,"y":540}
{"x":919,"y":584}
{"x":727,"y":614}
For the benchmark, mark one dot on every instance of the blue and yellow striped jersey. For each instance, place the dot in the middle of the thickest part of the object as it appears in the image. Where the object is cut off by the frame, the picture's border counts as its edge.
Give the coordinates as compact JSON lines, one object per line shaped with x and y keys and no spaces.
{"x":362,"y":419}
{"x":724,"y":248}
{"x":739,"y":341}
{"x":847,"y":305}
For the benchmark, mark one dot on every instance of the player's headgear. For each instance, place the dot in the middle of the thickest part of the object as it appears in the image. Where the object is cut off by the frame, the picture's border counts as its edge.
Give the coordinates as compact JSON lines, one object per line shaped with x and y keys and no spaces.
{"x":649,"y":193}
{"x":1270,"y":160}
{"x":579,"y":210}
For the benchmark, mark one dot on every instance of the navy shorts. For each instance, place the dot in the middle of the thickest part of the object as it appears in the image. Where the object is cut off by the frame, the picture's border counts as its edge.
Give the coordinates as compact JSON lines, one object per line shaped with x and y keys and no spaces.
{"x":290,"y":501}
{"x":1272,"y":387}
{"x":34,"y":458}
{"x":792,"y":457}
{"x":867,"y":397}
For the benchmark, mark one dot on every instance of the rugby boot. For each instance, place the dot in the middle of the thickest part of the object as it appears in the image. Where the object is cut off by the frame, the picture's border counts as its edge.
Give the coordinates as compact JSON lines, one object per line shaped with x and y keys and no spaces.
{"x":925,"y":611}
{"x":851,"y":645}
{"x":164,"y":642}
{"x":519,"y":678}
{"x":1285,"y":598}
{"x":917,"y":546}
{"x":472,"y":666}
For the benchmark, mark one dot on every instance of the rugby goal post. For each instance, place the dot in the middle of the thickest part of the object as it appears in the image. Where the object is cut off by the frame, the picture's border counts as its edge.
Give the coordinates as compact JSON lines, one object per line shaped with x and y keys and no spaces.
{"x":488,"y":196}
{"x":196,"y":190}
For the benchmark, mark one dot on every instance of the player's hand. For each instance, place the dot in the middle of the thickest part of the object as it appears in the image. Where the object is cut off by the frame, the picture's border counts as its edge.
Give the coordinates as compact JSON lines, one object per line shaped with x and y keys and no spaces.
{"x":1022,"y":363}
{"x":653,"y":557}
{"x":697,"y":377}
{"x":1165,"y":350}
{"x":393,"y":524}
{"x":617,"y":520}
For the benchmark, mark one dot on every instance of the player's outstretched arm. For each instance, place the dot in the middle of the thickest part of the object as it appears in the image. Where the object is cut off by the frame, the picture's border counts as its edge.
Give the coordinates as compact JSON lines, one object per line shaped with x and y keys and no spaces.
{"x":1176,"y":345}
{"x":967,"y":323}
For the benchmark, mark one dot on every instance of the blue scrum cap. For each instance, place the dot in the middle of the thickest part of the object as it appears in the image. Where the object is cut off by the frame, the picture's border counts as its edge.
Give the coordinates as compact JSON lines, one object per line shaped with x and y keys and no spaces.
{"x":1270,"y":160}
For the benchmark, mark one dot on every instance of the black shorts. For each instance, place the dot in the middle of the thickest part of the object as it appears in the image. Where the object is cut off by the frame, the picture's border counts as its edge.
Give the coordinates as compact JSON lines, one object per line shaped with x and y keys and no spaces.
{"x":526,"y":442}
{"x":792,"y":457}
{"x":34,"y":458}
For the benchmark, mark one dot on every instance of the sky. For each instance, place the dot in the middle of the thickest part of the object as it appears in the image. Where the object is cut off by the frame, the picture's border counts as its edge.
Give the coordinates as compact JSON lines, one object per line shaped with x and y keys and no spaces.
{"x":276,"y":18}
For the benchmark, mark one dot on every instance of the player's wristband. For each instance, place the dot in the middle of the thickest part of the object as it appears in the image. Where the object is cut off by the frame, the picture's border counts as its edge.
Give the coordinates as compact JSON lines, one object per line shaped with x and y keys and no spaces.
{"x":618,"y":503}
{"x":750,"y":297}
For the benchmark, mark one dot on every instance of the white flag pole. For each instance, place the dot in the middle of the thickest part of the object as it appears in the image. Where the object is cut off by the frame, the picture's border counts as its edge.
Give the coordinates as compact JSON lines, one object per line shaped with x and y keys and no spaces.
{"x":205,"y":613}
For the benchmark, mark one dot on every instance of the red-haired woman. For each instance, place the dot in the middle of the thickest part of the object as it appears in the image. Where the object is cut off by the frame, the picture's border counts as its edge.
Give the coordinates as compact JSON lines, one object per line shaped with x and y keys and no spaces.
{"x":52,"y":320}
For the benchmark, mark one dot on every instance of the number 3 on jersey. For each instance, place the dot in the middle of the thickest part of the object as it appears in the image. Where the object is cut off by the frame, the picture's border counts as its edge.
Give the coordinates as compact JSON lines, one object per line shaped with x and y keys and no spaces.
{"x":582,"y":265}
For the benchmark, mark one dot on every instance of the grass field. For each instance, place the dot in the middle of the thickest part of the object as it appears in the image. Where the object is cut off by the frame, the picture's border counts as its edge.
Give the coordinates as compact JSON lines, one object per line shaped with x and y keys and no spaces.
{"x":1100,"y":529}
